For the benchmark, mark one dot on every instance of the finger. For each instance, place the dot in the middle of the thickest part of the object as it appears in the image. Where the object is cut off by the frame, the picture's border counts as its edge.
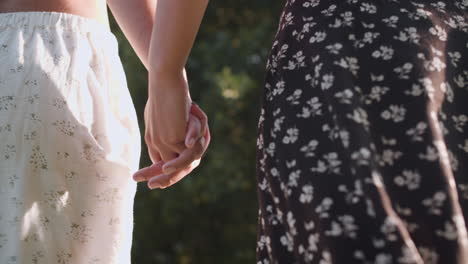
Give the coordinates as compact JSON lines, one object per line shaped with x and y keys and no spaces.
{"x":196,"y":111}
{"x":167,"y":180}
{"x":207,"y":139}
{"x":154,"y":154}
{"x":148,"y":172}
{"x":167,"y":154}
{"x":193,"y":131}
{"x":185,"y":158}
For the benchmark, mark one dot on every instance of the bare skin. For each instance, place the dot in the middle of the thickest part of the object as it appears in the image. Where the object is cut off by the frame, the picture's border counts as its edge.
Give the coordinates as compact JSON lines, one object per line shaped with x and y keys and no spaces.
{"x":136,"y":19}
{"x":95,"y":9}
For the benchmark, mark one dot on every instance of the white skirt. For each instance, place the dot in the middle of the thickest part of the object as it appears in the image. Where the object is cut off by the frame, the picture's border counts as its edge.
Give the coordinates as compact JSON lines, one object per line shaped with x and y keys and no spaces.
{"x":69,"y":142}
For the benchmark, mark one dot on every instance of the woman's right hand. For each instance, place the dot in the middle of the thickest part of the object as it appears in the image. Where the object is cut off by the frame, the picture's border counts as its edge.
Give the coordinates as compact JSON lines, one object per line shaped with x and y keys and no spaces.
{"x":197,"y":139}
{"x":169,"y":118}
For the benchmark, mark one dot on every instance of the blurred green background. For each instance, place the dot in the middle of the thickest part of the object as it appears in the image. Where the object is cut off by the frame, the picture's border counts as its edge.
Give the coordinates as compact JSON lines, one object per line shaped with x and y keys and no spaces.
{"x":211,"y":216}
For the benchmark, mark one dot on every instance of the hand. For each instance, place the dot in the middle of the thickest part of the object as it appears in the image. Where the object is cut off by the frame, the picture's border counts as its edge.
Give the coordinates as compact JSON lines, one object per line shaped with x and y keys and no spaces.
{"x":173,"y":124}
{"x":163,"y":175}
{"x":167,"y":114}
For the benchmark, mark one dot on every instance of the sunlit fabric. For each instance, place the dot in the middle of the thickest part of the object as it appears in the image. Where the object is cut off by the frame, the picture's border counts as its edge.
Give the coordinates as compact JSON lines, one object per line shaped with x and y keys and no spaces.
{"x":69,"y":142}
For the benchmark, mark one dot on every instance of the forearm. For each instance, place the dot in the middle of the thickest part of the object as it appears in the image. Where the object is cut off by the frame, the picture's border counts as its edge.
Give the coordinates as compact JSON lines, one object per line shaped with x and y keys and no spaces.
{"x":136,"y":19}
{"x":175,"y":28}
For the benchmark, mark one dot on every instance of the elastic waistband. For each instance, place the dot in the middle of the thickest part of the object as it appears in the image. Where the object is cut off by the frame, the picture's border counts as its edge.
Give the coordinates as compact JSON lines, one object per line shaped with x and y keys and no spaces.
{"x":57,"y":20}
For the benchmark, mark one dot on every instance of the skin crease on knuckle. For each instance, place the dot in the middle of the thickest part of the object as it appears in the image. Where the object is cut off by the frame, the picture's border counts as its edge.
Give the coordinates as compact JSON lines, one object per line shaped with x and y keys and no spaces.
{"x":147,"y":138}
{"x":173,"y":140}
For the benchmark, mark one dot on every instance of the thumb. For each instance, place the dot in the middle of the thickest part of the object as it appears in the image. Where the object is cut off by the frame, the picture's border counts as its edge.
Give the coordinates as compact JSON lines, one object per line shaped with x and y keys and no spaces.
{"x":193,"y":131}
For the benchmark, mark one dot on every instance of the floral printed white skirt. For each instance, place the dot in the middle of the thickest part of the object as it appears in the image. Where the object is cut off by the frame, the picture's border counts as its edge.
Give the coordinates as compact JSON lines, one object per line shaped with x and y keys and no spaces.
{"x":69,"y":142}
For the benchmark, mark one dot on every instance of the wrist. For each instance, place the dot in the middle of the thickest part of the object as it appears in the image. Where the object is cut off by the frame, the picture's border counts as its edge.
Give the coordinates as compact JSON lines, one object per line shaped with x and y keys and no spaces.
{"x":166,"y":71}
{"x":163,"y":82}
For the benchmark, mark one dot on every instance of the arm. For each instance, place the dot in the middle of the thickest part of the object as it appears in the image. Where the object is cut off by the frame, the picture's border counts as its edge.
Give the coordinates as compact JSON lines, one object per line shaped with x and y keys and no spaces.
{"x":176,"y":26}
{"x":136,"y":19}
{"x":176,"y":22}
{"x":167,"y":110}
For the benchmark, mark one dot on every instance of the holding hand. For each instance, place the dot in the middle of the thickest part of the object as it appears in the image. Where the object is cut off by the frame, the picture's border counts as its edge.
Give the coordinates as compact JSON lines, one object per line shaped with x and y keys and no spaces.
{"x":176,"y":132}
{"x":167,"y":112}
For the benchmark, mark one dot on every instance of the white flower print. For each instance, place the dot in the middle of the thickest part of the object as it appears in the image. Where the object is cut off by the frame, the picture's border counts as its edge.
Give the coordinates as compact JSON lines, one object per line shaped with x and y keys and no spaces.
{"x":292,"y":136}
{"x":386,"y":53}
{"x":274,"y":172}
{"x":403,"y":71}
{"x":389,"y":157}
{"x":435,"y":203}
{"x":293,"y":177}
{"x":409,"y":179}
{"x":344,"y":136}
{"x":277,"y":126}
{"x":416,"y":134}
{"x":352,"y":196}
{"x":294,"y":98}
{"x":430,"y":155}
{"x":390,"y":229}
{"x":391,"y":21}
{"x":271,"y":149}
{"x":368,"y":8}
{"x":409,"y":34}
{"x":279,"y":88}
{"x":395,"y":113}
{"x":359,"y":116}
{"x":314,"y":108}
{"x":428,"y":255}
{"x":383,"y":258}
{"x":362,"y":156}
{"x":324,"y":207}
{"x":349,"y":63}
{"x":310,"y":148}
{"x":454,"y":57}
{"x":434,"y":64}
{"x":273,"y":62}
{"x":287,"y":241}
{"x":331,"y":164}
{"x":368,"y":38}
{"x":329,"y":11}
{"x":464,"y":147}
{"x":335,"y":48}
{"x":307,"y":194}
{"x":449,"y":232}
{"x":361,"y":85}
{"x":264,"y":241}
{"x":297,"y":62}
{"x":311,"y":3}
{"x":460,"y":122}
{"x":345,"y":96}
{"x":439,"y":32}
{"x":318,"y":37}
{"x":376,"y":94}
{"x":344,"y":226}
{"x":327,"y":81}
{"x":288,"y":20}
{"x":416,"y":90}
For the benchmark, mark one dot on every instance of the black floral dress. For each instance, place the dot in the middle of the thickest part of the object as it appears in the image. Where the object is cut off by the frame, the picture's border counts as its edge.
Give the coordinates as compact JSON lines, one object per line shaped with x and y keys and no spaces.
{"x":363,"y":134}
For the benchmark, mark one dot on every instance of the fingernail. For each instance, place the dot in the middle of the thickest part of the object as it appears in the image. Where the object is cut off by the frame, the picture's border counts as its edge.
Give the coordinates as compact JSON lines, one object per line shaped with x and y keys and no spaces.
{"x":191,"y":141}
{"x":154,"y":185}
{"x":202,"y":141}
{"x":169,"y":170}
{"x":137,"y":177}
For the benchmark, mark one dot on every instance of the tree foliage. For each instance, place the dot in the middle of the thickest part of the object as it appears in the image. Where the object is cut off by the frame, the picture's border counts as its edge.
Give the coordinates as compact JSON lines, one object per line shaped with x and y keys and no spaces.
{"x":211,"y":216}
